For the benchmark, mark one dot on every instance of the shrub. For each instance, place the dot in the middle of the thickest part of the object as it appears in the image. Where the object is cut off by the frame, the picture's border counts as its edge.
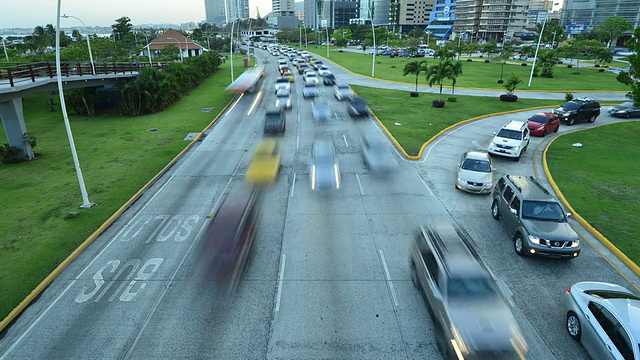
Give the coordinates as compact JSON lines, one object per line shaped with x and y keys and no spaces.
{"x":30,"y":139}
{"x":568,"y":96}
{"x":452,"y":99}
{"x":469,"y":60}
{"x":9,"y":154}
{"x":523,"y":64}
{"x":393,"y":66}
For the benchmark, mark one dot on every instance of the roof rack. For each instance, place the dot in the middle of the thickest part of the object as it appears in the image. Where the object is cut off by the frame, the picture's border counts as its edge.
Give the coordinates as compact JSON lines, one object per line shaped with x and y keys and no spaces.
{"x":539,"y":185}
{"x":514,"y":183}
{"x":583,"y":99}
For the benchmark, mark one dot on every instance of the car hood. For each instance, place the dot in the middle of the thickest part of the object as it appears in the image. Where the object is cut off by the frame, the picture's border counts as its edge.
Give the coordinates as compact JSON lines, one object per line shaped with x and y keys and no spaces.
{"x":476,"y":176}
{"x":325,"y":176}
{"x":507,"y":142}
{"x":310,"y":90}
{"x":551,"y":230}
{"x":484,"y":325}
{"x":562,"y":111}
{"x":534,"y":124}
{"x":616,"y":109}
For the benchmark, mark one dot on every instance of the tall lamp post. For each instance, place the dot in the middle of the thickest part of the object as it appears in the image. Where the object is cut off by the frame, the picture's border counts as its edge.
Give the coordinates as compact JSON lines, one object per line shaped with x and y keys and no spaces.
{"x":373,"y":63}
{"x":327,"y":31}
{"x":231,"y":51}
{"x":179,"y":48}
{"x":5,"y":50}
{"x":148,"y":49}
{"x":93,"y":70}
{"x":249,"y":43}
{"x":535,"y":57}
{"x":86,"y":204}
{"x":428,"y":36}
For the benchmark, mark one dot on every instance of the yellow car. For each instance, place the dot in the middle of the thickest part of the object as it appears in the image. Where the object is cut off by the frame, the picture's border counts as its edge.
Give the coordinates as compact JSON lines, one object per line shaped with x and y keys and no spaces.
{"x":289,"y":74}
{"x":265,"y":164}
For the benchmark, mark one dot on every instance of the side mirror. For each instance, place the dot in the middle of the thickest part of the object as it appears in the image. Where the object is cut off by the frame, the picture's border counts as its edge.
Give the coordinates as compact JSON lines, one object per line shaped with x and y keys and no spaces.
{"x":513,"y":211}
{"x":494,"y":133}
{"x":458,"y":165}
{"x":568,"y":214}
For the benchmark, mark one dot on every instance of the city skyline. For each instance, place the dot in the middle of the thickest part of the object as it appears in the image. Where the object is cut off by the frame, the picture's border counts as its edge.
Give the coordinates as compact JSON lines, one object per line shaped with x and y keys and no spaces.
{"x":42,"y":12}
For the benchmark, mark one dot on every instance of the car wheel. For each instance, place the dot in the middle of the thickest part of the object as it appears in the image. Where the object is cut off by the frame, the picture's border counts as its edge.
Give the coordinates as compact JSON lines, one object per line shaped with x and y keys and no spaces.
{"x":592,"y":118}
{"x":626,"y":116}
{"x":516,"y":159}
{"x":495,"y":210}
{"x":518,"y":245}
{"x":573,"y":326}
{"x":556,"y":129}
{"x":570,"y":121}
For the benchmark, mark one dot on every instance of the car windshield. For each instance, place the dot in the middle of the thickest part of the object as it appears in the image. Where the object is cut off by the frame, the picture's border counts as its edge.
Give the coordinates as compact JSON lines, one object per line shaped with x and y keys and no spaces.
{"x":571,"y":106}
{"x":543,"y":210}
{"x":323,"y":155}
{"x":282,"y":81}
{"x":476,"y":165}
{"x":612,"y":295}
{"x":344,"y":87}
{"x":538,"y":118}
{"x":510,"y":134}
{"x":626,"y":105}
{"x":471,"y":288}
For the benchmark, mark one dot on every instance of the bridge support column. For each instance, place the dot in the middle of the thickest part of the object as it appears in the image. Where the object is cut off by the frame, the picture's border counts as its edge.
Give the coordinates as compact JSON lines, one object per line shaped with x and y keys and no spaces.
{"x":14,"y":127}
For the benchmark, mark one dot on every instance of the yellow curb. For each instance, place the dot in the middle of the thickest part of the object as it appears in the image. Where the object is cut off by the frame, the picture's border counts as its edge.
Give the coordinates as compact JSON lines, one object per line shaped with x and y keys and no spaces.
{"x":633,"y":266}
{"x":470,"y":88}
{"x":44,"y":283}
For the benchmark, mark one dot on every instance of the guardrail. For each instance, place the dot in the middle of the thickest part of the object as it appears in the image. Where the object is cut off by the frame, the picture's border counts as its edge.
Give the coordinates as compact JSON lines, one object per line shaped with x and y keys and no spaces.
{"x":22,"y":72}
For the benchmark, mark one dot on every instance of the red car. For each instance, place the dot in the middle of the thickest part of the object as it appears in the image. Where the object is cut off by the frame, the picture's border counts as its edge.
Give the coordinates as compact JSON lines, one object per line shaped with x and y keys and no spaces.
{"x":541,"y":124}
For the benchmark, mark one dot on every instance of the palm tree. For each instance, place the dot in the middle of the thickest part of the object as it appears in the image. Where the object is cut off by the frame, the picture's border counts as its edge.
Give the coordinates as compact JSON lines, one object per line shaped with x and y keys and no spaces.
{"x":456,"y":70}
{"x":415,"y":67}
{"x":437,"y":73}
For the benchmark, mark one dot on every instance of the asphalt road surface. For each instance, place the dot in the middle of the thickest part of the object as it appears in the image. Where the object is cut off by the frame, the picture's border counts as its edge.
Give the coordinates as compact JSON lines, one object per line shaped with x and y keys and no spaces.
{"x":330,"y":275}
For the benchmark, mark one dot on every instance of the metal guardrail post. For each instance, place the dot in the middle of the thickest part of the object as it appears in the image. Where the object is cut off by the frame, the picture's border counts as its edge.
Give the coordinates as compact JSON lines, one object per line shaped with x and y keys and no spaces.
{"x":79,"y":69}
{"x":66,"y":69}
{"x":33,"y":78}
{"x":10,"y":78}
{"x":49,"y":70}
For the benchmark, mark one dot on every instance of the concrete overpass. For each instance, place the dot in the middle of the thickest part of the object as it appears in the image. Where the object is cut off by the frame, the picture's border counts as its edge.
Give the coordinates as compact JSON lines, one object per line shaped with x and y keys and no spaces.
{"x":23,"y":79}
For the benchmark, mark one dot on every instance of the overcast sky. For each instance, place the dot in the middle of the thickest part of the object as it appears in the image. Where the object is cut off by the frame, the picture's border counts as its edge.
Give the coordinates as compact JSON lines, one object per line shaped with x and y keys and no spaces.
{"x":31,"y":13}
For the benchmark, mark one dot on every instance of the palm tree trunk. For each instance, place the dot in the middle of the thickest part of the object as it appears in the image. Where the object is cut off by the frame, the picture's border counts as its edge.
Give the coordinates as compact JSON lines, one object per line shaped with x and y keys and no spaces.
{"x":417,"y":82}
{"x":440,"y":91}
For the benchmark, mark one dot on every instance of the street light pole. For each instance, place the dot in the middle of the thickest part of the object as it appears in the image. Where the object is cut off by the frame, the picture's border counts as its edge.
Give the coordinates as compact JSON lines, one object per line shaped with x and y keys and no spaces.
{"x":536,"y":55}
{"x":148,"y":49}
{"x":5,"y":50}
{"x":553,"y":42}
{"x":327,"y":31}
{"x":373,"y":64}
{"x":231,"y":52}
{"x":93,"y":70}
{"x":306,"y":38}
{"x":428,"y":37}
{"x":249,"y":43}
{"x":300,"y":37}
{"x":86,"y":204}
{"x":179,"y":49}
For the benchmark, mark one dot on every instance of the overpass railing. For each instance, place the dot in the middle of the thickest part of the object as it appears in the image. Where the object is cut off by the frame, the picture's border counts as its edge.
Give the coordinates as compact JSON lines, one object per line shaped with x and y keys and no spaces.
{"x":23,"y":72}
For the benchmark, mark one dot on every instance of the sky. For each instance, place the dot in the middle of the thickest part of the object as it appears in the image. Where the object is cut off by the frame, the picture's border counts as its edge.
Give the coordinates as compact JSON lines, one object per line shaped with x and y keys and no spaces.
{"x":31,"y":13}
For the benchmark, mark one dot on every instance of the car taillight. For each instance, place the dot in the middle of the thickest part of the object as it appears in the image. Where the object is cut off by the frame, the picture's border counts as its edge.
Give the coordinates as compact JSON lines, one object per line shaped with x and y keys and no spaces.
{"x":569,"y":289}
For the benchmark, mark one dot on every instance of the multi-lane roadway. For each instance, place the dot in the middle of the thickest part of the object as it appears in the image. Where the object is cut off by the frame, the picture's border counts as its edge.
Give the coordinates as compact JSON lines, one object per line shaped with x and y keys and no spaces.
{"x":330,"y":275}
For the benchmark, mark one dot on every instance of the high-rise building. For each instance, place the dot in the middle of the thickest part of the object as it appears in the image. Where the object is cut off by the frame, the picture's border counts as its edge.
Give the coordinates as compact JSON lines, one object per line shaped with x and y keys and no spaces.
{"x":442,"y":18}
{"x":491,"y":19}
{"x":215,"y":12}
{"x":591,"y":13}
{"x":283,"y":11}
{"x":414,"y":13}
{"x":382,"y":12}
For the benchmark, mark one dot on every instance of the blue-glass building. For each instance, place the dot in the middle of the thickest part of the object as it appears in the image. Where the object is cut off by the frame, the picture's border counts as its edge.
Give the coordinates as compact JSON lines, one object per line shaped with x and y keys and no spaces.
{"x":441,"y":19}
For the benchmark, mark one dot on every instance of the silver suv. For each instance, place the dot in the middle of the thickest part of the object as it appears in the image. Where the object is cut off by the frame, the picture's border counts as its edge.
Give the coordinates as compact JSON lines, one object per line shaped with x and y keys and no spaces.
{"x":533,"y":218}
{"x":471,"y":317}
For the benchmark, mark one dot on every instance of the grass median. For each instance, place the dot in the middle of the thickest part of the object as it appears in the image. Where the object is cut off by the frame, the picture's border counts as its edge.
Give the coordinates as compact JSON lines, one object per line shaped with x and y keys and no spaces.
{"x":420,"y":121}
{"x":478,"y":74}
{"x":117,"y":154}
{"x":602,"y":182}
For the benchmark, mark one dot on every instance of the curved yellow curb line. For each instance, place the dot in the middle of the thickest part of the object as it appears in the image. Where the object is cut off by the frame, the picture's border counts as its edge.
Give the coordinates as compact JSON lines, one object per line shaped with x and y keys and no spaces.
{"x":633,"y":266}
{"x":468,"y":88}
{"x":44,"y":283}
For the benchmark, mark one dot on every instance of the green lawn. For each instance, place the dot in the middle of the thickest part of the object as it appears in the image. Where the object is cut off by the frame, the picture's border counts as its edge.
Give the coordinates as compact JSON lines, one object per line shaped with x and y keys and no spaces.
{"x":477,"y":74}
{"x":117,"y":156}
{"x":421,"y":121}
{"x":602,"y":182}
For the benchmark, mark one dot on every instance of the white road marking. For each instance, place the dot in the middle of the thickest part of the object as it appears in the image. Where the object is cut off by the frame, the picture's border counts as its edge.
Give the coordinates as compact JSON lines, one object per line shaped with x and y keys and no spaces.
{"x":388,"y":276}
{"x":293,"y":184}
{"x":298,"y":116}
{"x":255,"y":102}
{"x":336,"y":115}
{"x":345,"y":140}
{"x":297,"y":141}
{"x":425,"y":185}
{"x":280,"y":279}
{"x":359,"y":185}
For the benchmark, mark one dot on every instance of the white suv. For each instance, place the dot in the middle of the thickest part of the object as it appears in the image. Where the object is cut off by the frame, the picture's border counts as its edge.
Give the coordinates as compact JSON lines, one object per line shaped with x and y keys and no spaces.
{"x":511,"y":141}
{"x":310,"y":77}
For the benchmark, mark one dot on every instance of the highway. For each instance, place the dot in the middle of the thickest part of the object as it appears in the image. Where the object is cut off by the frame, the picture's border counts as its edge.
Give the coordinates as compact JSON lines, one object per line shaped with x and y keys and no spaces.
{"x":329,"y":277}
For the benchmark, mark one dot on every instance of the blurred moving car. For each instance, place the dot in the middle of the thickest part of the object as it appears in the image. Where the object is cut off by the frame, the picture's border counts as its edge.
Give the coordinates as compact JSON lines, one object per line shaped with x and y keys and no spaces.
{"x":475,"y":173}
{"x":311,"y":77}
{"x":302,"y":66}
{"x":283,"y":83}
{"x":357,"y":107}
{"x":228,"y":243}
{"x":289,"y":75}
{"x":265,"y":164}
{"x":310,"y":91}
{"x":472,"y":319}
{"x":376,"y":156}
{"x":605,"y":318}
{"x":541,"y":124}
{"x":329,"y":79}
{"x":283,"y":98}
{"x":625,"y":110}
{"x":342,"y":92}
{"x":275,"y":121}
{"x":325,"y":173}
{"x":321,"y":110}
{"x":323,"y":70}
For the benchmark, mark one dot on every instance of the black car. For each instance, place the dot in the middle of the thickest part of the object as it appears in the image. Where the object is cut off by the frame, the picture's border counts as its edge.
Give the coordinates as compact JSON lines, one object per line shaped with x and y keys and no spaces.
{"x":581,"y":109}
{"x":274,"y":121}
{"x":329,"y":79}
{"x":625,"y":110}
{"x":358,"y":107}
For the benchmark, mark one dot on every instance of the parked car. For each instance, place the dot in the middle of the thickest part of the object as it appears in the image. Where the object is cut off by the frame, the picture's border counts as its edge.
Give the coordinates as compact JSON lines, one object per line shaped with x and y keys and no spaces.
{"x":310,"y":90}
{"x":342,"y":92}
{"x":475,"y":173}
{"x":533,"y":218}
{"x":511,"y":140}
{"x":325,"y":173}
{"x":471,"y":317}
{"x":625,"y":110}
{"x":543,"y":123}
{"x":604,"y":318}
{"x":265,"y":164}
{"x":357,"y":107}
{"x":283,"y":99}
{"x":581,"y":109}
